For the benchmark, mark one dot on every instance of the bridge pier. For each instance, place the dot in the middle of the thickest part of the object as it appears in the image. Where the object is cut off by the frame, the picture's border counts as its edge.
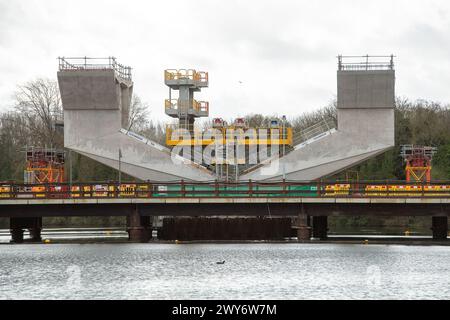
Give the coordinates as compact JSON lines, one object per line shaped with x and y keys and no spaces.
{"x":303,"y":226}
{"x":17,"y":226}
{"x":139,"y":227}
{"x":440,"y":228}
{"x":320,"y":227}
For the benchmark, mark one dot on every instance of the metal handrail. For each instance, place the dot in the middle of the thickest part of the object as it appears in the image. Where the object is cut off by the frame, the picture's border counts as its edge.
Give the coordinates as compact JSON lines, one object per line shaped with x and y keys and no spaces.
{"x":317,"y":129}
{"x":200,"y":106}
{"x":188,"y":74}
{"x":366,"y":64}
{"x":86,"y":63}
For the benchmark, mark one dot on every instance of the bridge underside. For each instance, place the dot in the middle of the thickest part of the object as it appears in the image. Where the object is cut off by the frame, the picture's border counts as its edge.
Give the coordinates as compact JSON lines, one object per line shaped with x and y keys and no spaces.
{"x":309,"y":219}
{"x":227,"y":209}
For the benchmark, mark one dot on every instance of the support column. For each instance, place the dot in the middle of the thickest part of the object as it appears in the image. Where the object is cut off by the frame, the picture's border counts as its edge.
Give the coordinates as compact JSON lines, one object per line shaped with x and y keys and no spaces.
{"x":16,"y":235}
{"x":303,"y":226}
{"x":439,"y":228}
{"x":35,"y":230}
{"x":17,"y":226}
{"x":320,"y":227}
{"x":139,"y":227}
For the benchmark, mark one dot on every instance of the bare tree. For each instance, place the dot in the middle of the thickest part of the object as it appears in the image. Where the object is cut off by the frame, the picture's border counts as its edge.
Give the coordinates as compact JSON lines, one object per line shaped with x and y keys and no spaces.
{"x":138,"y":118}
{"x":39,"y":103}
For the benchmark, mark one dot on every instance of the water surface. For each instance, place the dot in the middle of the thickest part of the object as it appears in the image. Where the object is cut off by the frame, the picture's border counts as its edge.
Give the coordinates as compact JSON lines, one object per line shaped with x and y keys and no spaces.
{"x":251,"y":271}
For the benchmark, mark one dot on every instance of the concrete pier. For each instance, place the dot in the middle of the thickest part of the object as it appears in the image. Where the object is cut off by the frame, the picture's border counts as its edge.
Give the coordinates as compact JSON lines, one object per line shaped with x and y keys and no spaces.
{"x":439,"y":228}
{"x":139,"y":227}
{"x":365,"y":126}
{"x":303,"y":226}
{"x":18,"y":226}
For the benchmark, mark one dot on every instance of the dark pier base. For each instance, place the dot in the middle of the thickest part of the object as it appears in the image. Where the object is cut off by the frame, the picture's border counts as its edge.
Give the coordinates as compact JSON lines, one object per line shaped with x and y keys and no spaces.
{"x":18,"y":225}
{"x":226,"y":228}
{"x":320,"y":227}
{"x":303,"y":226}
{"x":139,"y":227}
{"x":440,"y":228}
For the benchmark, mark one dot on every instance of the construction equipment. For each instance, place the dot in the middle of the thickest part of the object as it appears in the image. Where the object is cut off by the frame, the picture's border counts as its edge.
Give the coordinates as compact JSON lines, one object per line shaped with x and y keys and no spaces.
{"x":418,"y":162}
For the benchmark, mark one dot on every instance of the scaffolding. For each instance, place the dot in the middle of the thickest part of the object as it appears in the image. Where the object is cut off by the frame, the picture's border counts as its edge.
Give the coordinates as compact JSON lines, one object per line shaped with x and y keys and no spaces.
{"x":44,"y":165}
{"x":418,"y":162}
{"x":185,"y":108}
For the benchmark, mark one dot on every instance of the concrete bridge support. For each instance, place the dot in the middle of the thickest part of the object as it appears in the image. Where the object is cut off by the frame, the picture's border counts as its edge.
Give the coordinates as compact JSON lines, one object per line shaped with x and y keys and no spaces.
{"x":440,"y":228}
{"x":139,"y":227}
{"x":320,"y":227}
{"x":18,"y":225}
{"x":303,"y":226}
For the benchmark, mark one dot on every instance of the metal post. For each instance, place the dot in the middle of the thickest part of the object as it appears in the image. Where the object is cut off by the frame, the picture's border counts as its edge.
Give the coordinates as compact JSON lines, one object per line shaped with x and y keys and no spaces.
{"x":120,"y":168}
{"x":284,"y":144}
{"x":70,"y":172}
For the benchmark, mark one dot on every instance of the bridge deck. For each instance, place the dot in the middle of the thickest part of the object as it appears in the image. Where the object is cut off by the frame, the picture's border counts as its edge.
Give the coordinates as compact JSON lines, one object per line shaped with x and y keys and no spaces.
{"x":242,"y":200}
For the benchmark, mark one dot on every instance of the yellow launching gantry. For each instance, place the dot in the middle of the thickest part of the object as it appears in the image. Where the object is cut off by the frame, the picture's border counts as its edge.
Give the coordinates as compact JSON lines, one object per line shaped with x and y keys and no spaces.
{"x":275,"y":134}
{"x":186,"y":109}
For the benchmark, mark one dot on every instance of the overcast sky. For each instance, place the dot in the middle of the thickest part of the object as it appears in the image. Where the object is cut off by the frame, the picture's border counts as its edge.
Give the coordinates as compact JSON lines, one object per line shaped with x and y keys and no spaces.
{"x":271,"y":57}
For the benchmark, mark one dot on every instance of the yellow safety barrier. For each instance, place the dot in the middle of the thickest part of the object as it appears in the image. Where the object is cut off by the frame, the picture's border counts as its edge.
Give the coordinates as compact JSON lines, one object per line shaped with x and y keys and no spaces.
{"x":337,"y":189}
{"x":405,"y":190}
{"x":436,"y":190}
{"x":38,"y":191}
{"x":75,"y":191}
{"x":101,"y":190}
{"x":376,"y":190}
{"x":5,"y":192}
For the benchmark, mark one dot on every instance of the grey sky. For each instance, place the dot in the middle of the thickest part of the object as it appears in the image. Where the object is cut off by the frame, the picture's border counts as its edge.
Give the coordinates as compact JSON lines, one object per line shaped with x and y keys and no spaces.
{"x":283,"y":52}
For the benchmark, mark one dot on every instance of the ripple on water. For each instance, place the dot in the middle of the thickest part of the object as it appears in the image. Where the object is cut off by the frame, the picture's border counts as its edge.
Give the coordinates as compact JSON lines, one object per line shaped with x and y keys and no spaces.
{"x":251,"y":271}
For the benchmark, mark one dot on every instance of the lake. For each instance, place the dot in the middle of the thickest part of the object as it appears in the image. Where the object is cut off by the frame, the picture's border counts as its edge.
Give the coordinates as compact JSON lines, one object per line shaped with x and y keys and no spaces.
{"x":250,"y":271}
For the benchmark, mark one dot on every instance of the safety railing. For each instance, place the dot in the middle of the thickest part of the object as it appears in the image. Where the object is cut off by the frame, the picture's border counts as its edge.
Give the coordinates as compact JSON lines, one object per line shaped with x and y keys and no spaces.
{"x":321,"y":128}
{"x":85,"y":63}
{"x":176,"y":104}
{"x":216,"y":189}
{"x":201,"y":106}
{"x":176,"y":135}
{"x":367,"y":62}
{"x":186,"y":74}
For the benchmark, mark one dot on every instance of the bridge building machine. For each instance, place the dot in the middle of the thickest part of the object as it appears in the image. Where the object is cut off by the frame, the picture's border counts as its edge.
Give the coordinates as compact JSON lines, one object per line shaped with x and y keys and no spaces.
{"x":418,"y":162}
{"x":44,"y":165}
{"x":234,"y":145}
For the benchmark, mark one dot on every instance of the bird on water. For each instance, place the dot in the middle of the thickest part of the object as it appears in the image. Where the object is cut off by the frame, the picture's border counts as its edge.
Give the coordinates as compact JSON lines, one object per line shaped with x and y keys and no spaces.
{"x":221,"y":262}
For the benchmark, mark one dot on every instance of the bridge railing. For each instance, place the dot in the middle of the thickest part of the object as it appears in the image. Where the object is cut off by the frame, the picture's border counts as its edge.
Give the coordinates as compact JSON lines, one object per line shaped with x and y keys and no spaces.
{"x":214,"y":189}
